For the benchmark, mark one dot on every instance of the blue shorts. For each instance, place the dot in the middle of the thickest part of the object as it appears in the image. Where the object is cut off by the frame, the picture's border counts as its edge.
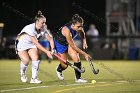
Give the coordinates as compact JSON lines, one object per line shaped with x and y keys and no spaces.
{"x":60,"y":48}
{"x":45,"y":44}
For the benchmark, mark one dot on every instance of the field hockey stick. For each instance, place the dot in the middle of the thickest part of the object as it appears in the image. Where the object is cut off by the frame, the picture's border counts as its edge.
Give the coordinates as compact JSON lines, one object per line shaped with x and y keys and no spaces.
{"x":68,"y":63}
{"x":90,"y":61}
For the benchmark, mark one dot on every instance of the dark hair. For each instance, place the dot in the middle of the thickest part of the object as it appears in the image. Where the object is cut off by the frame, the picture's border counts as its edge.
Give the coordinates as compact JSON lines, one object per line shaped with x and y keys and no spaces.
{"x":76,"y":18}
{"x":38,"y":16}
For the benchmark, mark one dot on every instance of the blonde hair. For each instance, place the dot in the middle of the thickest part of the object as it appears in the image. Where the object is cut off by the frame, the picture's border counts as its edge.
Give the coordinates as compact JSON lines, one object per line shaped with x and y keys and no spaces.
{"x":38,"y":16}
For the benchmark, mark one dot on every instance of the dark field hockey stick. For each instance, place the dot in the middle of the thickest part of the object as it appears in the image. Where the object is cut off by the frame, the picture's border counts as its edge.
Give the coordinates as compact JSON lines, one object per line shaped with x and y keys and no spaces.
{"x":90,"y":61}
{"x":68,"y":63}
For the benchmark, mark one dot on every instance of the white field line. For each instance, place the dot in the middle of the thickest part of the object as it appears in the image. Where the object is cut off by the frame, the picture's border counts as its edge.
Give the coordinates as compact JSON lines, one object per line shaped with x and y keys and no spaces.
{"x":75,"y":84}
{"x":18,"y":89}
{"x":137,"y":80}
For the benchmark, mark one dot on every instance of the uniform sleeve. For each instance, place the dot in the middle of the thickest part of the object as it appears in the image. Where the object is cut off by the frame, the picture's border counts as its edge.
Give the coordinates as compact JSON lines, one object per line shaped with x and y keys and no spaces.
{"x":29,"y":30}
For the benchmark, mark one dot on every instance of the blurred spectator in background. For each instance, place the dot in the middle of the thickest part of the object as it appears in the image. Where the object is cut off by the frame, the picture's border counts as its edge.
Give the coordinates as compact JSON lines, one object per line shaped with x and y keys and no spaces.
{"x":3,"y":47}
{"x":93,"y":34}
{"x":92,"y":31}
{"x":4,"y":41}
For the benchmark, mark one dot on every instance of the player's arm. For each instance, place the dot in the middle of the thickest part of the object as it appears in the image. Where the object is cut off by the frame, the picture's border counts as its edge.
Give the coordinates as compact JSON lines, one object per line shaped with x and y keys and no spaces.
{"x":67,"y":34}
{"x":83,"y":37}
{"x":39,"y":46}
{"x":50,"y":39}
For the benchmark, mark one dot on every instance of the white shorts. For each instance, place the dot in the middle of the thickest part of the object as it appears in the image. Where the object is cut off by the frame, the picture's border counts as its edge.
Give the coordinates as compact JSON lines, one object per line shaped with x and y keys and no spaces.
{"x":20,"y":46}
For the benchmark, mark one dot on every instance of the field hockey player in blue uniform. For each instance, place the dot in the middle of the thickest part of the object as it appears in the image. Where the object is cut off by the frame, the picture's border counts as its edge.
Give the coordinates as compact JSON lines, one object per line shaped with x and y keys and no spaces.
{"x":64,"y":45}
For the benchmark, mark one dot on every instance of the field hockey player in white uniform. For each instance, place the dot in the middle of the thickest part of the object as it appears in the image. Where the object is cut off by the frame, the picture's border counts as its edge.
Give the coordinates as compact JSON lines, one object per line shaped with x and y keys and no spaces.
{"x":27,"y":46}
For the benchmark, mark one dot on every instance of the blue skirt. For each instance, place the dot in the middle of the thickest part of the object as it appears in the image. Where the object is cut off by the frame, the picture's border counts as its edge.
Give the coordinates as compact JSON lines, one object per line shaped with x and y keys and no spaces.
{"x":45,"y":44}
{"x":60,"y":48}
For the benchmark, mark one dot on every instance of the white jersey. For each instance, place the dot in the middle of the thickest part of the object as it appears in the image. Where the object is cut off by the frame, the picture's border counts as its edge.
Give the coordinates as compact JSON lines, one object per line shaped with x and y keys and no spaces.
{"x":24,"y":41}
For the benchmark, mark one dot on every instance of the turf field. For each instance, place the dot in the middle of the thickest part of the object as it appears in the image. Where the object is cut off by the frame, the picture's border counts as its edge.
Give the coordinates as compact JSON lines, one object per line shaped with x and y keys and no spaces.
{"x":114,"y":77}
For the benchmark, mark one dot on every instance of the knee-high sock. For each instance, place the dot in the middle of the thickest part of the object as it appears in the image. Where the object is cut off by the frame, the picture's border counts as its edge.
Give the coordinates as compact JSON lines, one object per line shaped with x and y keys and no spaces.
{"x":60,"y":68}
{"x":23,"y":68}
{"x":77,"y":73}
{"x":35,"y":67}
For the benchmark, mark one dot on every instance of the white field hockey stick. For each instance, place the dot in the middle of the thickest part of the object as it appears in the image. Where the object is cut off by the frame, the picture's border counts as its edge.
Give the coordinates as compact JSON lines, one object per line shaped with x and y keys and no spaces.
{"x":68,"y":63}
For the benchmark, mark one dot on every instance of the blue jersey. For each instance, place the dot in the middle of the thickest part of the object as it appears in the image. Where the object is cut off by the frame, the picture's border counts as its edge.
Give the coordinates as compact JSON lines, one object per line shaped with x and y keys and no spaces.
{"x":60,"y":41}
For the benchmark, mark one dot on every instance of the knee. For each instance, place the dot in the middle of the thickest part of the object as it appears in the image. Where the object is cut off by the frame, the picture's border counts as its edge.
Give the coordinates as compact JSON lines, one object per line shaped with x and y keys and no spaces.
{"x":75,"y":58}
{"x":35,"y":58}
{"x":25,"y":61}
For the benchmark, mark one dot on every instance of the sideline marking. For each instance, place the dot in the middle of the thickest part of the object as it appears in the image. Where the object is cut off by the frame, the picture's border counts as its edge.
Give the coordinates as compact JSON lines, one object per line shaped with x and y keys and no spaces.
{"x":8,"y":90}
{"x":75,"y":84}
{"x":63,"y":90}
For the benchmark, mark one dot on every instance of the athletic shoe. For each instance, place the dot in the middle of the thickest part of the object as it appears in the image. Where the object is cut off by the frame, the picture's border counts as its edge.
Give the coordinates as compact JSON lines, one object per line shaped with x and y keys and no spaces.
{"x":23,"y":78}
{"x":59,"y":74}
{"x":35,"y":81}
{"x":80,"y":80}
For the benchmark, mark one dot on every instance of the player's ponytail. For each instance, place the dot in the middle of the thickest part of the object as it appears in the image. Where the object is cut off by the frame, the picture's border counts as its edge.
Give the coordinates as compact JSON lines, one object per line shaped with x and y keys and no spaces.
{"x":38,"y":16}
{"x":76,"y":18}
{"x":39,"y":13}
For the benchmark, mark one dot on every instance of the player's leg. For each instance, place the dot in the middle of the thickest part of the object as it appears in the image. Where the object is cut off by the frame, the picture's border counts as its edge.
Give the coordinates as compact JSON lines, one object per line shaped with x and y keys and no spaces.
{"x":23,"y":64}
{"x":61,"y":67}
{"x":75,"y":56}
{"x":34,"y":55}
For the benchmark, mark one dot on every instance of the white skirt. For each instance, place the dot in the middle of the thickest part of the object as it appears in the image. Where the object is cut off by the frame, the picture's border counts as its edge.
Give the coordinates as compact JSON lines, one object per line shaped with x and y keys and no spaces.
{"x":24,"y":46}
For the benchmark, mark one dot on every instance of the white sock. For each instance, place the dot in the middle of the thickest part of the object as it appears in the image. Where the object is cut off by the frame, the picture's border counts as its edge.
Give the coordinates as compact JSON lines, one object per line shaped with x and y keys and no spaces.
{"x":23,"y":68}
{"x":35,"y":67}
